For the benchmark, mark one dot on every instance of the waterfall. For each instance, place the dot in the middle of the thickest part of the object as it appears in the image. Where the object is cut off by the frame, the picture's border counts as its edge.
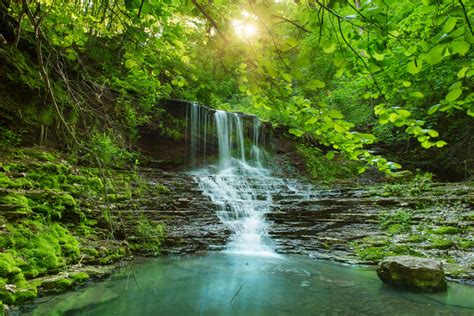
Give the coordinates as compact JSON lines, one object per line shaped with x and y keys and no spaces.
{"x":241,"y":188}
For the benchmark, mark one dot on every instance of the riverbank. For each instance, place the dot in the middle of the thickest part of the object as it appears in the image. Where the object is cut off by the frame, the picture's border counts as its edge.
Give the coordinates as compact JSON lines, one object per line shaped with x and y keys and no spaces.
{"x":57,"y":218}
{"x":365,"y":224}
{"x":62,"y":223}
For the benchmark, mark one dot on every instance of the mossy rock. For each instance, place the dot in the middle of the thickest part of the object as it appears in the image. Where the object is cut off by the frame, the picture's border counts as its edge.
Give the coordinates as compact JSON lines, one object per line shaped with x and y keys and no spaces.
{"x":438,"y":243}
{"x":465,"y":244}
{"x":416,"y":238}
{"x":15,"y":202}
{"x":19,"y":183}
{"x":36,"y":153}
{"x":446,"y":230}
{"x":413,"y":273}
{"x":43,"y":247}
{"x":58,"y":284}
{"x":79,"y":277}
{"x":18,"y":293}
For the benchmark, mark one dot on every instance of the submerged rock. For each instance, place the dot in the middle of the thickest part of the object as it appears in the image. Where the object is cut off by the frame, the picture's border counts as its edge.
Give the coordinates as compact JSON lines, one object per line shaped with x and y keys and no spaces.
{"x":413,"y":273}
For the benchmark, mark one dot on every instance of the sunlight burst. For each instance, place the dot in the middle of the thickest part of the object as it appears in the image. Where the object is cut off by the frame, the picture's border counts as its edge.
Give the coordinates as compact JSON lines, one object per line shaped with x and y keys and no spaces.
{"x":245,"y":28}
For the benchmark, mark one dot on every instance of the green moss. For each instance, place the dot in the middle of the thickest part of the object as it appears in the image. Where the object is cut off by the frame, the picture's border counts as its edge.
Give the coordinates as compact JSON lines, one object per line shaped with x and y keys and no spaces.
{"x":438,"y":243}
{"x":64,"y":283}
{"x":149,"y":235}
{"x":18,"y":292}
{"x":446,"y":230}
{"x":80,"y":277}
{"x":51,"y":168}
{"x":399,"y":221}
{"x":58,"y":285}
{"x":161,"y":189}
{"x":369,"y":251}
{"x":14,"y":167}
{"x":8,"y":265}
{"x":16,"y":200}
{"x":469,"y":216}
{"x":86,"y":185}
{"x":26,"y":293}
{"x":43,"y":247}
{"x":40,"y":155}
{"x":5,"y":181}
{"x":465,"y":244}
{"x":416,"y":238}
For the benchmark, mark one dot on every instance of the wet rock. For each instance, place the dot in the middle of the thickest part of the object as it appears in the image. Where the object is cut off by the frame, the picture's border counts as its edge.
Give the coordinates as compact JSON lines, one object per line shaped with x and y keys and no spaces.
{"x":413,"y":273}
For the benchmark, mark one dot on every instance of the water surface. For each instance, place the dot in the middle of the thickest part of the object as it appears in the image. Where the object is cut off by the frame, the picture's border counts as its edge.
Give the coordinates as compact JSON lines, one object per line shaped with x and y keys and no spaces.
{"x":227,"y":284}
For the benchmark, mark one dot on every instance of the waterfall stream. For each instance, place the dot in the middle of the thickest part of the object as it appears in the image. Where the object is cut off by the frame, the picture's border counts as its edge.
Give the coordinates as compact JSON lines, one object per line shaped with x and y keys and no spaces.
{"x":238,"y":183}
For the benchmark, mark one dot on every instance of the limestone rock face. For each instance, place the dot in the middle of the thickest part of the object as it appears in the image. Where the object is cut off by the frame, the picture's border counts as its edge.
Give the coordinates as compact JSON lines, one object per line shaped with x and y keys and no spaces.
{"x":413,"y":273}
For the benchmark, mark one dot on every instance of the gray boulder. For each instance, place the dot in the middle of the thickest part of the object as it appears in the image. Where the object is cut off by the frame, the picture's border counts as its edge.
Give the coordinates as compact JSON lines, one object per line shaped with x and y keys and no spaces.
{"x":413,"y":273}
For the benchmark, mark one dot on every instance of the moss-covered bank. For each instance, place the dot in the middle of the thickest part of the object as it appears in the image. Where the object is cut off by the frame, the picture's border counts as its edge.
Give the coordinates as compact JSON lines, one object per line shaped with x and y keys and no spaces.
{"x":55,"y":215}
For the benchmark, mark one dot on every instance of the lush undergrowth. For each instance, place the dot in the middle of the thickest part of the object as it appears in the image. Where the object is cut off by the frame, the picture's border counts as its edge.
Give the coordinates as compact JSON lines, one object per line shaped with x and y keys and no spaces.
{"x":332,"y":171}
{"x":54,"y":214}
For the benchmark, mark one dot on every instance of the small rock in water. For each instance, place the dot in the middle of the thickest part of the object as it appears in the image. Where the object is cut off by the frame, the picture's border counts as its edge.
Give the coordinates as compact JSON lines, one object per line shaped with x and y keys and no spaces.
{"x":413,"y":273}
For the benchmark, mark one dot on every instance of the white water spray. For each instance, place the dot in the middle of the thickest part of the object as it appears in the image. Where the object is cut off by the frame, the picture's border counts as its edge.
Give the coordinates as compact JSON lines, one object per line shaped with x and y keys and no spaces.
{"x":240,"y":187}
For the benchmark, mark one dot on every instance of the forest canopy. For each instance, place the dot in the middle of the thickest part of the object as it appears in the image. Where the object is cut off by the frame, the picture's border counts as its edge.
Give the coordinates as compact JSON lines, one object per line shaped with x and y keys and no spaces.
{"x":344,"y":74}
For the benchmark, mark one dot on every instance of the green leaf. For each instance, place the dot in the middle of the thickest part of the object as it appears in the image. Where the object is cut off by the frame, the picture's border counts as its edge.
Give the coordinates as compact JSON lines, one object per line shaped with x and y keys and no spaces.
{"x":378,"y":56}
{"x":426,"y":144}
{"x":417,"y":94}
{"x":316,"y":84}
{"x":460,"y":47}
{"x":450,"y":24}
{"x":441,"y":143}
{"x":384,"y":118}
{"x":336,"y":114}
{"x":329,"y":47}
{"x":393,"y":117}
{"x":435,"y":56}
{"x":312,"y":120}
{"x":462,"y":72}
{"x":339,"y":128}
{"x":374,"y":67}
{"x":410,"y":51}
{"x":291,"y":42}
{"x":470,"y":111}
{"x":453,"y":95}
{"x":406,"y":83}
{"x":414,"y":67}
{"x":286,"y":77}
{"x":130,"y":63}
{"x":330,"y":155}
{"x":296,"y":132}
{"x":433,"y":133}
{"x":404,"y":113}
{"x":434,"y":108}
{"x":361,"y":170}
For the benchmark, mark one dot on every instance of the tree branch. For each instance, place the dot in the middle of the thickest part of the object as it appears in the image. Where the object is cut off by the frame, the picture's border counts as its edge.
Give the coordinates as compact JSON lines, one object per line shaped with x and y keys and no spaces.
{"x":297,"y":25}
{"x":465,"y":15}
{"x":359,"y":57}
{"x":210,"y":19}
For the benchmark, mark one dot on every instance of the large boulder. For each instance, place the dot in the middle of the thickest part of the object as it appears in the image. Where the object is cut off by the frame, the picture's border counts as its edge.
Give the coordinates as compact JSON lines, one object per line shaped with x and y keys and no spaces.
{"x":413,"y":273}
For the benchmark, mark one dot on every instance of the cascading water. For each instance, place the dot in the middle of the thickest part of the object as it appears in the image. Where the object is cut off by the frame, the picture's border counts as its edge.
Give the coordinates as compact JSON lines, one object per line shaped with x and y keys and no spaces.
{"x":237,"y":183}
